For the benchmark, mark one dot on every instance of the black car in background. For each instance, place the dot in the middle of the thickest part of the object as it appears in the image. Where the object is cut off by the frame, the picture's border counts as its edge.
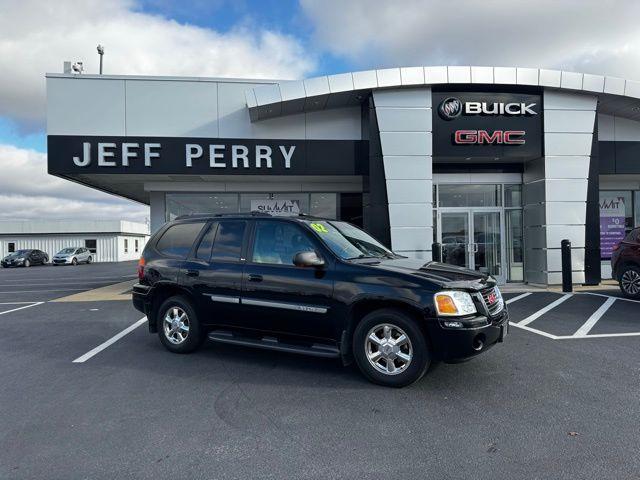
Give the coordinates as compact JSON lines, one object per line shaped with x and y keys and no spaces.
{"x":25,"y":258}
{"x":313,"y":286}
{"x":625,"y":264}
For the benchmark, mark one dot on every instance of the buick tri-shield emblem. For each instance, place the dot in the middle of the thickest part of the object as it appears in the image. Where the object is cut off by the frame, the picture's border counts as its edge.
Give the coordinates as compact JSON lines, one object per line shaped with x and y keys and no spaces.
{"x":450,"y":108}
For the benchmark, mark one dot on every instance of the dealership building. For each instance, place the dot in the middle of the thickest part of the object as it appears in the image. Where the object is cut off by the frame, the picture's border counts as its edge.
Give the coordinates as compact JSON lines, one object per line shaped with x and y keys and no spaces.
{"x":497,"y":164}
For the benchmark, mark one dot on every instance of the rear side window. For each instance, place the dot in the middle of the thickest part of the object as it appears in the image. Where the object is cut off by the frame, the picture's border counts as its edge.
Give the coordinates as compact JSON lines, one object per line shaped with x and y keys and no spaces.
{"x":204,"y":249}
{"x":227,"y":246}
{"x":178,"y":239}
{"x":633,"y":236}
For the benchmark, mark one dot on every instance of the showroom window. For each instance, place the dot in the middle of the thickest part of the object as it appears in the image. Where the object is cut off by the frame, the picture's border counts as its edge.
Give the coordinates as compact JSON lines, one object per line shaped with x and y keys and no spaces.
{"x":11,"y":247}
{"x":291,"y":203}
{"x":126,"y":245}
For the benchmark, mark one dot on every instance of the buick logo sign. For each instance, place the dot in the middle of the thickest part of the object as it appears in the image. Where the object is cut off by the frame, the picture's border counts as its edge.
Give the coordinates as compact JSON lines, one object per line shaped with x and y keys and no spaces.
{"x":450,"y":108}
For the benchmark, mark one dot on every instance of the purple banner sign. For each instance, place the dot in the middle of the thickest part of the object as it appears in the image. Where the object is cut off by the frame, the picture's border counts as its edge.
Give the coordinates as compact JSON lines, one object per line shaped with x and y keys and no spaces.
{"x":612,"y":230}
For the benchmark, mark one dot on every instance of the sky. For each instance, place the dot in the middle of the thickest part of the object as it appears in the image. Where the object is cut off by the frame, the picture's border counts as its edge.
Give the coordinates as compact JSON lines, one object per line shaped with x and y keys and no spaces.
{"x":270,"y":39}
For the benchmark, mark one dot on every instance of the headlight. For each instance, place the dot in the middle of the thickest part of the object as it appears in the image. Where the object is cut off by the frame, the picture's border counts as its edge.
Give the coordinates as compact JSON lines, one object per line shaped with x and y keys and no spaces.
{"x":454,"y":303}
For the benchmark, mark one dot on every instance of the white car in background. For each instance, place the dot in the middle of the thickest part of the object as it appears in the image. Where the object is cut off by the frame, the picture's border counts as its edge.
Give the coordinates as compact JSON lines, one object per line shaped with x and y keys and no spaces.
{"x":72,"y":256}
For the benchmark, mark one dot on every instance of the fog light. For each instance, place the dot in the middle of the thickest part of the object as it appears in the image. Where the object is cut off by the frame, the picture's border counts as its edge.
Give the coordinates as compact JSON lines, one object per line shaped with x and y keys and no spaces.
{"x":453,"y":324}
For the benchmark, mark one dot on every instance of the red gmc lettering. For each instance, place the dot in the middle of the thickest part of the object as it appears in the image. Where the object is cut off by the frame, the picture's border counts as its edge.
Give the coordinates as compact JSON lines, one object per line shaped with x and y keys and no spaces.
{"x":482,"y":137}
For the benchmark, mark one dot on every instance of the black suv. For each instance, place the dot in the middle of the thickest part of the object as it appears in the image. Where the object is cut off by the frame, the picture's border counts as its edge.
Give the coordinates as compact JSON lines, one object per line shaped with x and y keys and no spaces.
{"x":313,"y":286}
{"x":625,"y":264}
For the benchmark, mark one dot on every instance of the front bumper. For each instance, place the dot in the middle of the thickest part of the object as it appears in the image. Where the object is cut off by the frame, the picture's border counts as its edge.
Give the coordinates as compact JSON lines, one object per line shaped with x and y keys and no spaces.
{"x":61,"y":261}
{"x":459,"y":344}
{"x":7,"y":264}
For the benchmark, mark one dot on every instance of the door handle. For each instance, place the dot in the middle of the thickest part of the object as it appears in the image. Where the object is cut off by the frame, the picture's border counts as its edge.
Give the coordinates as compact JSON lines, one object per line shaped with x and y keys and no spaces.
{"x":193,"y":273}
{"x":255,"y":278}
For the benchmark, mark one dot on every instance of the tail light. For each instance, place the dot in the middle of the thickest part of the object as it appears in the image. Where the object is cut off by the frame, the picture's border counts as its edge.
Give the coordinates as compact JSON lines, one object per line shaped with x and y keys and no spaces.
{"x":141,"y":264}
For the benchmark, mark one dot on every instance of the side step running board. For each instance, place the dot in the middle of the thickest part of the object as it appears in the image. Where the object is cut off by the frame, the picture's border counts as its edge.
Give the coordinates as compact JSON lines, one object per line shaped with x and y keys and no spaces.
{"x":272,"y":343}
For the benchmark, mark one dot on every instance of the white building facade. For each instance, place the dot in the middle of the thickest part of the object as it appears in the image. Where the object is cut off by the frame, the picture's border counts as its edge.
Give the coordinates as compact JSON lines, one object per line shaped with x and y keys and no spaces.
{"x":496,"y":164}
{"x":107,"y":240}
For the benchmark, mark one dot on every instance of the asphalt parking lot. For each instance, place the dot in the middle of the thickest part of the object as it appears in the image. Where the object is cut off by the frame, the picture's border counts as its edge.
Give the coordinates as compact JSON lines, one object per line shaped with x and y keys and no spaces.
{"x":558,"y":399}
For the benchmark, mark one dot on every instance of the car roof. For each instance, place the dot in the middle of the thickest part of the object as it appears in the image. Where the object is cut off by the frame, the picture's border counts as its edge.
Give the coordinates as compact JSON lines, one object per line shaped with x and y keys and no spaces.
{"x":247,"y":216}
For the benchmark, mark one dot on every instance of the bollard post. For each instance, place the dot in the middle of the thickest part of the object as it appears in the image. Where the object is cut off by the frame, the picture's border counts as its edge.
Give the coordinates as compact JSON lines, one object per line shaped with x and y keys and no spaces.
{"x":565,"y":248}
{"x":436,"y":252}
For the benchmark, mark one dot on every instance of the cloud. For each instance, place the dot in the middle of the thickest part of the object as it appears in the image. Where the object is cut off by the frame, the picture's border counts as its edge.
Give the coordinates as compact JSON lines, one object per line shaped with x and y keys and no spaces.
{"x":36,"y":37}
{"x":589,"y":36}
{"x":28,"y":192}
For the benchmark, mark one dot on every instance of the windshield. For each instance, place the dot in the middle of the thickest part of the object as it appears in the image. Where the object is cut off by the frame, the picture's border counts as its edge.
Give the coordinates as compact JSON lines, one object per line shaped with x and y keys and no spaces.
{"x":18,"y":253}
{"x":67,"y":250}
{"x":349,"y":242}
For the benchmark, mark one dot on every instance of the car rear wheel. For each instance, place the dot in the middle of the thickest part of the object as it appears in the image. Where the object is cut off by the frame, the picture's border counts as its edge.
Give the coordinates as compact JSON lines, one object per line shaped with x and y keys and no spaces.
{"x":630,"y":282}
{"x":178,"y":326}
{"x":89,"y":260}
{"x":390,"y":349}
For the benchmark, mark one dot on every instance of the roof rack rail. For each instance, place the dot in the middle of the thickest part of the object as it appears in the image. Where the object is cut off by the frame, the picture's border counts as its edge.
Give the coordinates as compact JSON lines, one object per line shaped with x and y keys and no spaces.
{"x":209,"y":215}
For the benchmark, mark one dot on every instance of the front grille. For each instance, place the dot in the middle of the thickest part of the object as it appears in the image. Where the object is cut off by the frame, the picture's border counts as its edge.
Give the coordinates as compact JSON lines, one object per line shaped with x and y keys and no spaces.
{"x":492,"y":301}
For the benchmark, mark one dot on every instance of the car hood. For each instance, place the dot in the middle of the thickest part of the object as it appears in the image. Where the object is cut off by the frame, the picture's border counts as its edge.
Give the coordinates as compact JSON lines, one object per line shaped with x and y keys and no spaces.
{"x":441,"y":274}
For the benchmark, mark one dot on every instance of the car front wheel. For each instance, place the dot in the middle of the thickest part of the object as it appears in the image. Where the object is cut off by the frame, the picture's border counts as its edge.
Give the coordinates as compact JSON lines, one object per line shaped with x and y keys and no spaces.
{"x":74,"y":262}
{"x":390,"y":349}
{"x":178,"y":325}
{"x":630,"y":282}
{"x":27,"y":263}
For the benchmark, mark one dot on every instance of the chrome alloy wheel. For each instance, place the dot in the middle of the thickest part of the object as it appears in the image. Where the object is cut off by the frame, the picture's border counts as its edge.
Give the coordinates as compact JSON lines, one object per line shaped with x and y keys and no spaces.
{"x":630,"y":282}
{"x":388,"y":349}
{"x":176,"y":325}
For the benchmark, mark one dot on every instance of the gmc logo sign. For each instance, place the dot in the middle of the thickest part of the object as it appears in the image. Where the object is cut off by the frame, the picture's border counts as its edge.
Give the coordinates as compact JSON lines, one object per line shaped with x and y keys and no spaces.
{"x":483,"y":137}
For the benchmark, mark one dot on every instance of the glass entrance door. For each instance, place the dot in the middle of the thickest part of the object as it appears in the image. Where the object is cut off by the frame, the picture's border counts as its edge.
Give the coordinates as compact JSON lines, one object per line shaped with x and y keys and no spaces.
{"x":486,"y":246}
{"x":472,"y":238}
{"x":454,"y":228}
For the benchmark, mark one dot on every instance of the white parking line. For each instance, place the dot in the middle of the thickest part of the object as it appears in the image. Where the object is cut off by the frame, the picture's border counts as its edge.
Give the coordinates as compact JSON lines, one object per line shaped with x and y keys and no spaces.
{"x":109,"y":342}
{"x":22,"y":308}
{"x":599,"y":335}
{"x":17,"y":303}
{"x":519,"y":297}
{"x":533,"y":330}
{"x":544,"y":310}
{"x":609,"y":296}
{"x":43,"y":291}
{"x":593,"y":319}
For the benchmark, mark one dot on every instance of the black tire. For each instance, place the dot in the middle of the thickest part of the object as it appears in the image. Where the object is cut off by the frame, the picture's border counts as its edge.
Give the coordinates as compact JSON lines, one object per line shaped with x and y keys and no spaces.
{"x":89,"y":260}
{"x":195,"y":335}
{"x":27,"y":263}
{"x":74,"y":262}
{"x":629,"y":282}
{"x":421,"y":355}
{"x":45,"y":261}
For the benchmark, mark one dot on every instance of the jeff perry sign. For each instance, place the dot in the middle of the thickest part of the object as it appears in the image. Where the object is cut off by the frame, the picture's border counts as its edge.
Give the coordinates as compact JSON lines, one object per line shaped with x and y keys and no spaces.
{"x":487,"y":124}
{"x":210,"y":156}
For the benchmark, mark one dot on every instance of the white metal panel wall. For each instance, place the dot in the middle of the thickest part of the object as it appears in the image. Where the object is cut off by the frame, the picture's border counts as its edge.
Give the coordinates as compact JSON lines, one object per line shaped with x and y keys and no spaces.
{"x":555,"y":188}
{"x":107,"y":245}
{"x":131,"y":253}
{"x":181,"y":108}
{"x":404,"y":121}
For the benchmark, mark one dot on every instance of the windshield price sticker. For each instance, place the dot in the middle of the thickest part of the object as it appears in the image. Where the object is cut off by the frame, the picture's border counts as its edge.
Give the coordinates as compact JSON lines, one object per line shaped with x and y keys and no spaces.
{"x":320,"y":228}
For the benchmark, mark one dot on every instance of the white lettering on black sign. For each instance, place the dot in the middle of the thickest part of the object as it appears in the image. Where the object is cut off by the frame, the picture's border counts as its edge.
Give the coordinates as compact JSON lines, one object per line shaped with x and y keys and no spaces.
{"x":217,"y":155}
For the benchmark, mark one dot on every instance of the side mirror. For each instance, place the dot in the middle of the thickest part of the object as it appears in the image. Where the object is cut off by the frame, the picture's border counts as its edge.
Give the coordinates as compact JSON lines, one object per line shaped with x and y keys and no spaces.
{"x":307,"y":259}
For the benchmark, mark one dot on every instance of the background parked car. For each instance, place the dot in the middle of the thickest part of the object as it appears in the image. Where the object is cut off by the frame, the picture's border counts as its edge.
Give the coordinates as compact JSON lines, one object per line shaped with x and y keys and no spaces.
{"x":72,"y":256}
{"x":25,"y":258}
{"x":625,"y":264}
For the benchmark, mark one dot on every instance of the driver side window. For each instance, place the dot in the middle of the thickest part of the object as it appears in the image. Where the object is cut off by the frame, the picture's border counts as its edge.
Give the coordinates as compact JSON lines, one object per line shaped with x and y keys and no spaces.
{"x":278,"y":242}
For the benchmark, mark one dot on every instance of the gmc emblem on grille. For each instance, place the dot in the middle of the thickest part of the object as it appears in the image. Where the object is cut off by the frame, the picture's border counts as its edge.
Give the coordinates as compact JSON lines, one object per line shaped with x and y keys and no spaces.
{"x":492,"y":298}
